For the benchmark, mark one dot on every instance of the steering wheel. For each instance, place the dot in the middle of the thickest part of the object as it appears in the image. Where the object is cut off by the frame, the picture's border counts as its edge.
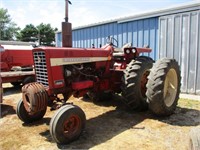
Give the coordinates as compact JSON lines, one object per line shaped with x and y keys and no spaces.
{"x":111,"y":40}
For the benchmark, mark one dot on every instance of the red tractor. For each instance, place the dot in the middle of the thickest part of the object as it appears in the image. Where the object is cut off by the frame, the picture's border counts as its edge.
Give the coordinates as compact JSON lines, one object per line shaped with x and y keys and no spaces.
{"x":96,"y":72}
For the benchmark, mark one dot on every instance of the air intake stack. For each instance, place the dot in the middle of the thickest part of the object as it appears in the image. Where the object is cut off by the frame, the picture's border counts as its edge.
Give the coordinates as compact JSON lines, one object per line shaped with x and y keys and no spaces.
{"x":66,"y":28}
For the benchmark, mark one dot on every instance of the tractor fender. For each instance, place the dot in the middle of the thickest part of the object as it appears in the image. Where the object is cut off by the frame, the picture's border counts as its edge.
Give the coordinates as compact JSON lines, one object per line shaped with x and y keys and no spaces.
{"x":142,"y":50}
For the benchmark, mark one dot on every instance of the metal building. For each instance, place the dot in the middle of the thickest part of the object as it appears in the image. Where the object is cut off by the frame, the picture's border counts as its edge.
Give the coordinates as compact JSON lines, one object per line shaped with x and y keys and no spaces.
{"x":172,"y":32}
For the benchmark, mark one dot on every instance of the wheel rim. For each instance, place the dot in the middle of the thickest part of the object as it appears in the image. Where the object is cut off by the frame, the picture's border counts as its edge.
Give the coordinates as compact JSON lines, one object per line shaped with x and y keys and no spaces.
{"x":71,"y":125}
{"x":170,"y":87}
{"x":143,"y":83}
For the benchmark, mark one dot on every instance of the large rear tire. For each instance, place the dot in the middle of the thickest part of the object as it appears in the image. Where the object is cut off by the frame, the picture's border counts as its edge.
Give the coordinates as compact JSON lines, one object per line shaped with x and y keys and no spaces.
{"x":163,"y":87}
{"x":27,"y":117}
{"x":134,"y":82}
{"x":67,"y":124}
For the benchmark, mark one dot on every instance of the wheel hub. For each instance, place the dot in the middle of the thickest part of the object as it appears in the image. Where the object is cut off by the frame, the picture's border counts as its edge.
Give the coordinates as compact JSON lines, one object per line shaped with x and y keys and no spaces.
{"x":170,"y":87}
{"x":71,"y":125}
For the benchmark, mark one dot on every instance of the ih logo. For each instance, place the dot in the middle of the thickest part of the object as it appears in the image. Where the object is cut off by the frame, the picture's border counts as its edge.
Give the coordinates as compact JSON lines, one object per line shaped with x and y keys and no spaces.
{"x":39,"y":60}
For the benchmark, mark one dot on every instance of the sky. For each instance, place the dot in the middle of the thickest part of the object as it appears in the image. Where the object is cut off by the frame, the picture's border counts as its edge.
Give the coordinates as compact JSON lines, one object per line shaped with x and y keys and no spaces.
{"x":81,"y":12}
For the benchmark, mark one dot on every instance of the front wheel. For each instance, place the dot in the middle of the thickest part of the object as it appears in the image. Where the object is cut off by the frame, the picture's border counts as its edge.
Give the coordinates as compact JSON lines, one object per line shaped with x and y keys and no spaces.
{"x":67,"y":124}
{"x":26,"y":116}
{"x":163,"y":87}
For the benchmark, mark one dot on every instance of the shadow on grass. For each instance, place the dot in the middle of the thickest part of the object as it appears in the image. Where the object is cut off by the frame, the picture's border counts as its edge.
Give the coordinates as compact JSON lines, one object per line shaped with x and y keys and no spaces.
{"x":11,"y":90}
{"x":109,"y":124}
{"x":183,"y":117}
{"x":6,"y":110}
{"x":37,"y":123}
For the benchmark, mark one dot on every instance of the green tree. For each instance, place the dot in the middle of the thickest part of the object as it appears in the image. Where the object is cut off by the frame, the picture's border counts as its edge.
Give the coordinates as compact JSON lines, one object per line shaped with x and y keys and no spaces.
{"x":28,"y":34}
{"x":8,"y":29}
{"x":43,"y":33}
{"x":46,"y":34}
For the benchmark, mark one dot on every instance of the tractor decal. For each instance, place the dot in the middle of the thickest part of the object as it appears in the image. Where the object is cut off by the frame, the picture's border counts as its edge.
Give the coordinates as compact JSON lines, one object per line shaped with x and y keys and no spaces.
{"x":76,"y":60}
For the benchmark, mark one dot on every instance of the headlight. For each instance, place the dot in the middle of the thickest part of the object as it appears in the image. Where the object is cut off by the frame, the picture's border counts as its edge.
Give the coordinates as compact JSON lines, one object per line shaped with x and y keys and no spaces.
{"x":133,"y":50}
{"x":128,"y":51}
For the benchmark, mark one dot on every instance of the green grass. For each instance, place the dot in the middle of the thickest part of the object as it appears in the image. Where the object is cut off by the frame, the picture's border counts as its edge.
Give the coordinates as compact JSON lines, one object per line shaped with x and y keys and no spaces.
{"x":188,"y":103}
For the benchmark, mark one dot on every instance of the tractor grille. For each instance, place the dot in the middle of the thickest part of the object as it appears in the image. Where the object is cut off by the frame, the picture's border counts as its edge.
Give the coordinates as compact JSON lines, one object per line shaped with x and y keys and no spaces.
{"x":41,"y":68}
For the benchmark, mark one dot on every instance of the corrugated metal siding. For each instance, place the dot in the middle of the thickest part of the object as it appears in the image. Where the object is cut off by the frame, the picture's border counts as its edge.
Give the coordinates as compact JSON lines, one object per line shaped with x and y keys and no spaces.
{"x":58,"y":39}
{"x":179,"y":38}
{"x":139,"y":33}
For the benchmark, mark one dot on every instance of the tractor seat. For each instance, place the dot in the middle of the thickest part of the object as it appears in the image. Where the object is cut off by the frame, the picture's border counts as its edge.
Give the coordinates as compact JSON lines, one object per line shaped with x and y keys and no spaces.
{"x":118,"y":50}
{"x":118,"y":54}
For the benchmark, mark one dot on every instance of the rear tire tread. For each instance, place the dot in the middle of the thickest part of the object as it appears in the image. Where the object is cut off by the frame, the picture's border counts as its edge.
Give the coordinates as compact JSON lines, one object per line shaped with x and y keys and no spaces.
{"x":155,"y":87}
{"x":131,"y":83}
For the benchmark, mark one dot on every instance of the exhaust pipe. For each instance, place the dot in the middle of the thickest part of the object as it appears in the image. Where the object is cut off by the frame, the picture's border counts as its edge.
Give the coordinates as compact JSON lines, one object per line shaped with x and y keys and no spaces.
{"x":66,"y":10}
{"x":66,"y":28}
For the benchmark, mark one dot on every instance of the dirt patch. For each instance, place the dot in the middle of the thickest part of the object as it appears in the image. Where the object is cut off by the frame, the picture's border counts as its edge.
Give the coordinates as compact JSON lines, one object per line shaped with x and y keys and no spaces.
{"x":109,"y":126}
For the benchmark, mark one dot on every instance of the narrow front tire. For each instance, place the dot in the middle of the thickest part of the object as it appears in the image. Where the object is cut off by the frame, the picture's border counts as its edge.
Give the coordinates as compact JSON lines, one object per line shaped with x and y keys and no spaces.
{"x":67,"y":124}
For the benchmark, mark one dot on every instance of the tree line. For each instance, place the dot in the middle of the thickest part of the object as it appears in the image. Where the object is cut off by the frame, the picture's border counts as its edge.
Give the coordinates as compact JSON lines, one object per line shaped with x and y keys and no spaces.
{"x":42,"y":34}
